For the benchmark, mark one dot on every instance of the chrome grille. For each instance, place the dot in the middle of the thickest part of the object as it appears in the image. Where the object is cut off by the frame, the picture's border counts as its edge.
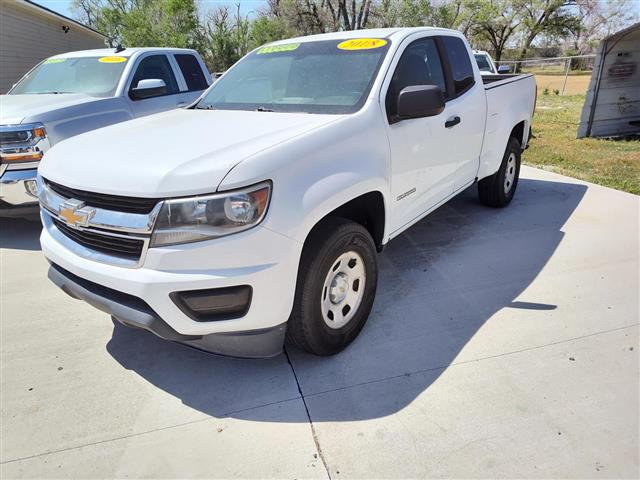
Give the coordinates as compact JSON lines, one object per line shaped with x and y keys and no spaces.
{"x":120,"y":245}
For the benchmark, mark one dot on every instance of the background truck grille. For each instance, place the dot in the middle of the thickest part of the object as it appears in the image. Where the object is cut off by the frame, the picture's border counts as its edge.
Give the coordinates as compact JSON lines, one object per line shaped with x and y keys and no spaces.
{"x":129,"y":248}
{"x":107,"y":202}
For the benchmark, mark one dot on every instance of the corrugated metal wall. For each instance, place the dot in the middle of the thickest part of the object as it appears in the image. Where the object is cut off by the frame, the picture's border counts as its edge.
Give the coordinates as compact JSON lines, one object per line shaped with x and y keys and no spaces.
{"x":27,"y":37}
{"x":612,"y":108}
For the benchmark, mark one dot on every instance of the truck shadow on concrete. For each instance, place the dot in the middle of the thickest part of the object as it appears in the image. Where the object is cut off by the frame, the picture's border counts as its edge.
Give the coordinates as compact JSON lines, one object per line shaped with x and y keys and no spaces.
{"x":439,"y":283}
{"x":20,"y":234}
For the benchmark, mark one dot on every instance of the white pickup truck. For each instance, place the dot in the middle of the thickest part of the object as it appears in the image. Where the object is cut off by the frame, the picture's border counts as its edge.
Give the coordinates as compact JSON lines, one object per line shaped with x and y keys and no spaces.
{"x":75,"y":92}
{"x":257,"y":213}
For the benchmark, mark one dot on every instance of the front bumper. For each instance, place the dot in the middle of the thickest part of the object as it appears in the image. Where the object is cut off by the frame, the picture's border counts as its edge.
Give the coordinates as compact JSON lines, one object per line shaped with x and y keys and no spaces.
{"x":134,"y":312}
{"x":263,"y":259}
{"x":17,"y":193}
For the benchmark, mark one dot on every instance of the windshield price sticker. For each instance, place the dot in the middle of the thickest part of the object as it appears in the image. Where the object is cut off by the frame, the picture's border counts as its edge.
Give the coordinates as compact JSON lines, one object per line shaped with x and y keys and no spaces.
{"x":55,"y":60}
{"x":112,"y":59}
{"x":362,"y":44}
{"x":287,"y":47}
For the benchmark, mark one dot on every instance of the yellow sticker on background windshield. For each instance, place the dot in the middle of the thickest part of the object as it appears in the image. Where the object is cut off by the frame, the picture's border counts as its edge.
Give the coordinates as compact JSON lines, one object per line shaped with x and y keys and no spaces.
{"x":287,"y":47}
{"x":112,"y":59}
{"x":362,"y":44}
{"x":54,"y":60}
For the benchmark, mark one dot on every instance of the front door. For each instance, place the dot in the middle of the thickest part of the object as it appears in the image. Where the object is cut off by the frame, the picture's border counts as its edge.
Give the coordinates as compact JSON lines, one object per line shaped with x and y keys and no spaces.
{"x":423,"y":150}
{"x":155,"y":66}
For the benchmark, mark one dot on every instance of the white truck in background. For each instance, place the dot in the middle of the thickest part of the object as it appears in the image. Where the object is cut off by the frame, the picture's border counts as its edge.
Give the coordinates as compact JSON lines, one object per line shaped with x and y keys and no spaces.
{"x":75,"y":92}
{"x":257,"y":213}
{"x":486,"y":64}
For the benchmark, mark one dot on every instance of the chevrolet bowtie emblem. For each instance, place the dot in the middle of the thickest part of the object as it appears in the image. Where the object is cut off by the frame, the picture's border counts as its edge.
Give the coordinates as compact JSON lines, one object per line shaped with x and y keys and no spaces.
{"x":74,"y":213}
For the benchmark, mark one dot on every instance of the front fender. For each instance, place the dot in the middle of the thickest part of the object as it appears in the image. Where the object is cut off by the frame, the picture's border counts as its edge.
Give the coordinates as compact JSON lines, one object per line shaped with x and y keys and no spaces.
{"x":317,"y":172}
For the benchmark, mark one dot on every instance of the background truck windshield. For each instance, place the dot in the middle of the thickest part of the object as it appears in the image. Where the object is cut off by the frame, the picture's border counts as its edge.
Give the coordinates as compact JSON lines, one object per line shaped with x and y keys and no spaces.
{"x":332,"y":76}
{"x":95,"y":76}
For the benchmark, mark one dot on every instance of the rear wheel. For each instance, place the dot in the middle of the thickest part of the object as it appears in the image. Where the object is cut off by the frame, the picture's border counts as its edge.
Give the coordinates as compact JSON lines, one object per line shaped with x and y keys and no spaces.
{"x":498,"y":189}
{"x":336,"y":287}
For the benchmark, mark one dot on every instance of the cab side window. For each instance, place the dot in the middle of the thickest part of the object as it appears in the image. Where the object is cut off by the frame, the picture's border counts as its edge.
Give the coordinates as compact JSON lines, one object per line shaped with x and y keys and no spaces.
{"x":191,"y":72}
{"x":156,"y":67}
{"x":419,"y":65}
{"x":461,"y":69}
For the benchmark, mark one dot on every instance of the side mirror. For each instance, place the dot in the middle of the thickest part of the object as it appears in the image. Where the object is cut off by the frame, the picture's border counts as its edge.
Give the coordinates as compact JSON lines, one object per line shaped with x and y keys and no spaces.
{"x":420,"y":101}
{"x":504,"y":69}
{"x":150,"y":87}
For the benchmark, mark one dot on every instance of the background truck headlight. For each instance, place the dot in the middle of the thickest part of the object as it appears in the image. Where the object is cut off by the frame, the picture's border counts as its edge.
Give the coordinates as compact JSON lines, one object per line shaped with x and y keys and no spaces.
{"x":22,"y":143}
{"x":186,"y":220}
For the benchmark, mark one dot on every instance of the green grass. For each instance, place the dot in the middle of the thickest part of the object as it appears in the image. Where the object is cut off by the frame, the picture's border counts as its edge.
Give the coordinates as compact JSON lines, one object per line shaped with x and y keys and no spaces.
{"x":613,"y":163}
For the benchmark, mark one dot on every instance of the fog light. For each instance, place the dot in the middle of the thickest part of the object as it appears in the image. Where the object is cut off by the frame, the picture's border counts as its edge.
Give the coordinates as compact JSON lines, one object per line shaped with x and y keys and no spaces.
{"x":214,"y":304}
{"x":31,"y":186}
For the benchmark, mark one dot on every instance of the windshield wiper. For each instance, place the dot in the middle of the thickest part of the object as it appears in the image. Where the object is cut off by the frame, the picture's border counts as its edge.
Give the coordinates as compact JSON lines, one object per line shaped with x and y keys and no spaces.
{"x":205,"y":107}
{"x":264,"y":109}
{"x":52,"y":92}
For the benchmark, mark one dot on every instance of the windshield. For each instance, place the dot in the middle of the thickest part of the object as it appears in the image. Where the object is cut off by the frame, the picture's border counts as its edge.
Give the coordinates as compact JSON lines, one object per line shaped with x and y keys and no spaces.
{"x":332,"y":76}
{"x":483,"y":63}
{"x":95,"y":76}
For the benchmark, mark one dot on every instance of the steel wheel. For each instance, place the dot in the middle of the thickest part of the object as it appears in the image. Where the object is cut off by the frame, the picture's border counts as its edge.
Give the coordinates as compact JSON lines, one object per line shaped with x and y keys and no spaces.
{"x":343,"y":290}
{"x":510,"y":173}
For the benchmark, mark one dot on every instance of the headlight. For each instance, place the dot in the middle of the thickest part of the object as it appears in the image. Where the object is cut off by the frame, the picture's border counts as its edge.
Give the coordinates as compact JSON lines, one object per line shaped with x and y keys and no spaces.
{"x":185,"y":220}
{"x":22,"y":143}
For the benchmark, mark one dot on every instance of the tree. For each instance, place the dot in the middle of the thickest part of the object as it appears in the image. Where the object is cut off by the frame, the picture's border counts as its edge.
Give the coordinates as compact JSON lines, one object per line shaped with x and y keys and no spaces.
{"x":144,"y":23}
{"x":226,"y":38}
{"x":595,"y":19}
{"x":544,"y":16}
{"x":266,"y":29}
{"x":495,"y":21}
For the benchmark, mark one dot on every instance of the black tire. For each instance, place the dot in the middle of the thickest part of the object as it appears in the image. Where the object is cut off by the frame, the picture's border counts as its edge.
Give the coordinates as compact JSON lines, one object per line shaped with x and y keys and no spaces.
{"x":492,"y":190}
{"x":307,"y":328}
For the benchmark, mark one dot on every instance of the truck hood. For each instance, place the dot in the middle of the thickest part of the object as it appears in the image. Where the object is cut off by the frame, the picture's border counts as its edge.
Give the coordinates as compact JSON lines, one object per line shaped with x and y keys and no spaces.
{"x":15,"y":109}
{"x":175,"y":153}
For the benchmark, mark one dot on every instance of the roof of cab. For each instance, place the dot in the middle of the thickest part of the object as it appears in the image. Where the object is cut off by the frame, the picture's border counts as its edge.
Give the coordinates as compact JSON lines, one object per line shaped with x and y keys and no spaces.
{"x":127,"y":52}
{"x":390,"y":33}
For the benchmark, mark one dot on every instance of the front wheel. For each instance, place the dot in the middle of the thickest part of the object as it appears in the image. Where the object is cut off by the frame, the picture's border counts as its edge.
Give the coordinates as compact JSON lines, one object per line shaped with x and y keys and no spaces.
{"x":498,"y":189}
{"x":336,"y":287}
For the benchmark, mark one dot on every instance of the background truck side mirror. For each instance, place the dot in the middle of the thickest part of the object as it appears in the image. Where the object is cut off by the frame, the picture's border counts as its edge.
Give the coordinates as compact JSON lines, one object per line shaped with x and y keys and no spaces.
{"x":420,"y":101}
{"x":150,"y":87}
{"x":504,"y":69}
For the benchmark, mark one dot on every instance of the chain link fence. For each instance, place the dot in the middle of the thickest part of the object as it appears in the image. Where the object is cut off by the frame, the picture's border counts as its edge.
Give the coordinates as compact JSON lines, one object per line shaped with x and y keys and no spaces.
{"x":557,"y":75}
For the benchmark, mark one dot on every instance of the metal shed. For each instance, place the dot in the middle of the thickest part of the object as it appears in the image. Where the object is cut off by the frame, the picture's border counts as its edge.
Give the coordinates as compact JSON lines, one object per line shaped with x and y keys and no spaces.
{"x":612,"y":105}
{"x":29,"y":33}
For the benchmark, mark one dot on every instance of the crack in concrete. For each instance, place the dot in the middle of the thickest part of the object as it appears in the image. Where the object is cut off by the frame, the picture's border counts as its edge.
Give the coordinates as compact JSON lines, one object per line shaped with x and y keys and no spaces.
{"x":313,"y":429}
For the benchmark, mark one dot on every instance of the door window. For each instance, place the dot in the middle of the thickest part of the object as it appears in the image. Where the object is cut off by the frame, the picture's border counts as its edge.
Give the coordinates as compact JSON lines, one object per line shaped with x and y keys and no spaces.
{"x":461,"y":69}
{"x":191,"y":72}
{"x":156,"y":67}
{"x":419,"y":65}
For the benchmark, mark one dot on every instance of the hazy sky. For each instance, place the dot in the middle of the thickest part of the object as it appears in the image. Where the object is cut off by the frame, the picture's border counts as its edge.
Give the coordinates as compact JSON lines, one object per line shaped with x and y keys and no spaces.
{"x":246,"y":6}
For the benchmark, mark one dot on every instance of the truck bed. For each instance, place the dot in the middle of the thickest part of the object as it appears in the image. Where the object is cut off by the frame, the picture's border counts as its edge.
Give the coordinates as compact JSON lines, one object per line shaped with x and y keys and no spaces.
{"x":491,"y":81}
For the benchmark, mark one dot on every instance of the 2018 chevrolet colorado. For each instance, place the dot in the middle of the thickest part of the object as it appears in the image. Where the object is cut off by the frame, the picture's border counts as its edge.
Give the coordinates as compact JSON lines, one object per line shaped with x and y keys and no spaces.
{"x":256,"y":214}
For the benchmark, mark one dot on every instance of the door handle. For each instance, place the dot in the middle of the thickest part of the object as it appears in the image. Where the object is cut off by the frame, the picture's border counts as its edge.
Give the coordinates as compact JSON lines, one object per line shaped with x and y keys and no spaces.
{"x":452,"y":122}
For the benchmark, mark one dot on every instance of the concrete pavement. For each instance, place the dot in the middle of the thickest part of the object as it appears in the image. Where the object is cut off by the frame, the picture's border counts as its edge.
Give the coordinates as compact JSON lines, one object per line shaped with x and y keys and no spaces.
{"x":503,"y":343}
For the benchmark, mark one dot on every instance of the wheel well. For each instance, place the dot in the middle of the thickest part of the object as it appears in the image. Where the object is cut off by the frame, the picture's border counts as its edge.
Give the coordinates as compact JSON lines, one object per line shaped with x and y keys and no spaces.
{"x":368,"y":211}
{"x":518,"y":133}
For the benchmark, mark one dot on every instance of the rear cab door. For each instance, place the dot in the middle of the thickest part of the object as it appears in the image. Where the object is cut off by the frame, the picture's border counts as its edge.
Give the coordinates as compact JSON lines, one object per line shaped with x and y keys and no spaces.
{"x":468,"y":105}
{"x":192,"y":76}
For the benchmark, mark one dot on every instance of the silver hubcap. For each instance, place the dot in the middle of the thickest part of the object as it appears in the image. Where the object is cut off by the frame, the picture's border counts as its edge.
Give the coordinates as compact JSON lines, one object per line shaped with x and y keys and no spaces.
{"x":343,"y":290}
{"x":510,"y":174}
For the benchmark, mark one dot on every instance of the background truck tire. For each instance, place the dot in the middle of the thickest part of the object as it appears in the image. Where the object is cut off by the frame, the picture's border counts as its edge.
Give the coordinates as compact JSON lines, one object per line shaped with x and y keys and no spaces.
{"x":498,"y":189}
{"x":336,"y":286}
